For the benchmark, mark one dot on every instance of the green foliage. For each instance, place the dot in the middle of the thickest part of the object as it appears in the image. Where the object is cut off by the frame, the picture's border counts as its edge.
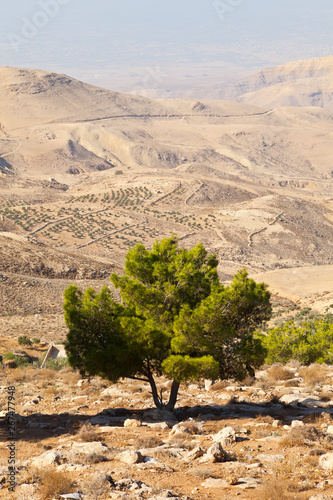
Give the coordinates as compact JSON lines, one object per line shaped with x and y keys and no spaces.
{"x":24,"y":340}
{"x":57,"y":364}
{"x":36,"y":340}
{"x":175,"y":318}
{"x":22,"y":361}
{"x":310,"y":342}
{"x":9,"y":355}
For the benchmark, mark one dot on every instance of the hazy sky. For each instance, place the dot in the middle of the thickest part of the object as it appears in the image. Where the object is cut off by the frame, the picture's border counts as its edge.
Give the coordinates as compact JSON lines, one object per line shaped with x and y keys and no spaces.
{"x":121,"y":43}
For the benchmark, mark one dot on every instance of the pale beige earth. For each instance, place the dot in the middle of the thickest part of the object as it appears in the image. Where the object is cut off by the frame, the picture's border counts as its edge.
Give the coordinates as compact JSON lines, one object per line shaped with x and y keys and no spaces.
{"x":279,"y":445}
{"x":300,"y":83}
{"x":86,"y":173}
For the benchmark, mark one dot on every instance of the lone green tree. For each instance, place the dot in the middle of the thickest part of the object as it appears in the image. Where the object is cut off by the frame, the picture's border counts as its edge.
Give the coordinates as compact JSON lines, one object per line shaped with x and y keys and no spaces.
{"x":174,"y":318}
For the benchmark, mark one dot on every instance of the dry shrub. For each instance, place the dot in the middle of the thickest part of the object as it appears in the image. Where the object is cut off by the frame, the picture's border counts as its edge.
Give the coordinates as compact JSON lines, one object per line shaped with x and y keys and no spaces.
{"x":273,"y":490}
{"x":219,"y":386}
{"x":178,"y":441}
{"x":92,"y":458}
{"x":291,"y":383}
{"x":31,"y":475}
{"x":55,"y":483}
{"x":265,"y":419}
{"x":148,"y":442}
{"x":191,"y":427}
{"x":51,"y":392}
{"x":325,"y":396}
{"x":203,"y":472}
{"x":276,"y":373}
{"x":87,"y":434}
{"x":314,"y":373}
{"x":99,"y":486}
{"x":46,"y":373}
{"x":232,"y":400}
{"x":21,"y":375}
{"x":94,"y":387}
{"x":248,"y":381}
{"x":70,"y":376}
{"x":300,"y":436}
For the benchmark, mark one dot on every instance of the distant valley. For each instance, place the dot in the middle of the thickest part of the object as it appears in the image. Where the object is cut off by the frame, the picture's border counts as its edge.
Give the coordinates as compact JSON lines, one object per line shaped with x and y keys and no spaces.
{"x":86,"y":173}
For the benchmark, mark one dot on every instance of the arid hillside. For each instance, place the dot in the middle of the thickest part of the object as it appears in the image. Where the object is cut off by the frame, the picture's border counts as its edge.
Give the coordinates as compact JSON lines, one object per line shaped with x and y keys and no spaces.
{"x":86,"y":173}
{"x":301,"y":83}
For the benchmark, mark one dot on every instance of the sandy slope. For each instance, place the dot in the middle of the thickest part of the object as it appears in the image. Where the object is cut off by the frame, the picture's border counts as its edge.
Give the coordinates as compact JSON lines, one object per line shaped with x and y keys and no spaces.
{"x":263,"y":175}
{"x":301,"y":83}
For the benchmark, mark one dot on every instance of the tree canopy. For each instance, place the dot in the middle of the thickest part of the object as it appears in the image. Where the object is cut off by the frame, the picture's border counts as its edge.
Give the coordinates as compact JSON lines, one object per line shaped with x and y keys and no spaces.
{"x":310,"y":342}
{"x":175,"y":318}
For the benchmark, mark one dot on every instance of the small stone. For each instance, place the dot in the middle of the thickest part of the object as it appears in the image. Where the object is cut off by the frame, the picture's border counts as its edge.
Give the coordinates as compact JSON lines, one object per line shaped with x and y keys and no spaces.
{"x":330,"y":429}
{"x":82,"y":381}
{"x":197,"y":452}
{"x":297,"y":423}
{"x":226,"y":436}
{"x":46,"y":459}
{"x":214,"y":454}
{"x":232,"y":480}
{"x":277,"y":423}
{"x":326,"y":461}
{"x":131,"y":457}
{"x":131,"y":422}
{"x":208,"y":384}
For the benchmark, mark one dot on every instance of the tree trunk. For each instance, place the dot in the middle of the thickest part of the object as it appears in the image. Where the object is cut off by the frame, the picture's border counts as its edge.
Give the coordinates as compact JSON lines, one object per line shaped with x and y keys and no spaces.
{"x":173,"y":396}
{"x":158,"y":399}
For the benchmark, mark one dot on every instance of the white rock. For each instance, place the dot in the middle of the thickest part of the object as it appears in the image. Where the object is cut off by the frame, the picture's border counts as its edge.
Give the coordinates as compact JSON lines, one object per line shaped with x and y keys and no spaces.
{"x":82,"y":381}
{"x":92,"y":447}
{"x":159,"y":425}
{"x":214,"y":454}
{"x":330,"y":429}
{"x":197,"y":452}
{"x":208,"y":384}
{"x":46,"y":459}
{"x":131,"y":422}
{"x":326,"y":461}
{"x":277,"y":423}
{"x":320,"y":496}
{"x":131,"y":457}
{"x":226,"y":436}
{"x":297,"y":423}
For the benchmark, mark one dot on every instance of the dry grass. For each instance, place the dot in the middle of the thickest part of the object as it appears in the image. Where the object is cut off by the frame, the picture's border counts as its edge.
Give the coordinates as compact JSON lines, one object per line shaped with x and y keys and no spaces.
{"x":190,"y":427}
{"x":181,"y":440}
{"x":87,"y":434}
{"x":326,"y":396}
{"x":276,"y":373}
{"x":55,"y":483}
{"x":148,"y":442}
{"x":273,"y":490}
{"x":22,"y":375}
{"x":70,"y":376}
{"x":314,"y":373}
{"x":300,"y":436}
{"x":90,"y":459}
{"x":265,"y":419}
{"x":219,"y":386}
{"x":203,"y":472}
{"x":98,"y":486}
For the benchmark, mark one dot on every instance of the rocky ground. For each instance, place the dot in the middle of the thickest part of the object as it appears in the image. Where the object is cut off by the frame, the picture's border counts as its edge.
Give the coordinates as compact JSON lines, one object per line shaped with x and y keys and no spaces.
{"x":270,"y":438}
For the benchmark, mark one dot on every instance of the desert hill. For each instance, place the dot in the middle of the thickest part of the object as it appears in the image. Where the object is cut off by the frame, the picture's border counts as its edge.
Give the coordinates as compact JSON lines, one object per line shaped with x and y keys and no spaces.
{"x":86,"y":173}
{"x":301,"y":83}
